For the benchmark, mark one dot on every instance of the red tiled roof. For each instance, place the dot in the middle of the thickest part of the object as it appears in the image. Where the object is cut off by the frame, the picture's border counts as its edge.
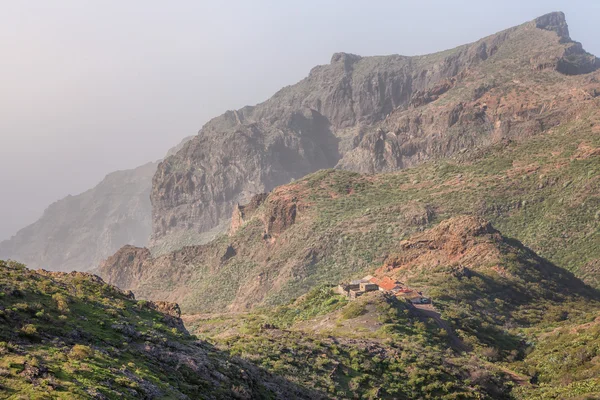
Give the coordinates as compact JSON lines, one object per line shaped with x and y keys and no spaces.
{"x":374,"y":280}
{"x":387,"y":283}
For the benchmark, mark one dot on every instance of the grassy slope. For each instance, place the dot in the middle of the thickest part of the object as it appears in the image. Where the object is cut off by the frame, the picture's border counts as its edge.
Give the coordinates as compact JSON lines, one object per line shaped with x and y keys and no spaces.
{"x":371,"y":348}
{"x":376,"y":347}
{"x":543,"y":191}
{"x":74,"y":337}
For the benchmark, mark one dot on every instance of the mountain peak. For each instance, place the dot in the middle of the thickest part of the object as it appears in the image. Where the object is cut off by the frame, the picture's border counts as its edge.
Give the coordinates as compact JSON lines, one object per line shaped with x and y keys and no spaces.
{"x":348,"y":59}
{"x":556,"y":22}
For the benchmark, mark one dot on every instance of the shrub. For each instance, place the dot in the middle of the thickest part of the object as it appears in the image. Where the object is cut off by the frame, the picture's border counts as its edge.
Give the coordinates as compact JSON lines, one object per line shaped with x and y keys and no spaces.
{"x":353,"y":310}
{"x":81,"y":352}
{"x":61,"y":302}
{"x":29,"y":330}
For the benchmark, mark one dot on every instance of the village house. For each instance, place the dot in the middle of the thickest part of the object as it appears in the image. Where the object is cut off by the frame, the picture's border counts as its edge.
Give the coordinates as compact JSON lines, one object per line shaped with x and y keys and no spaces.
{"x":369,"y":283}
{"x":345,"y":288}
{"x":368,"y":287}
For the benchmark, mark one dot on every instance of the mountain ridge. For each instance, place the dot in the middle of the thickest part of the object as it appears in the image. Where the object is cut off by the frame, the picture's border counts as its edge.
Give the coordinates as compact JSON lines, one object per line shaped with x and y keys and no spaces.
{"x":79,"y":231}
{"x":336,"y":223}
{"x":363,"y":114}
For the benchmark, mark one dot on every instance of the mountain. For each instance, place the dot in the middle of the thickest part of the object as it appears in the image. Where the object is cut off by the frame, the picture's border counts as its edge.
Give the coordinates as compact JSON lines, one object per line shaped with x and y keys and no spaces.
{"x":461,"y":189}
{"x":373,"y":114}
{"x":77,"y":232}
{"x":73,"y":336}
{"x":335,"y":224}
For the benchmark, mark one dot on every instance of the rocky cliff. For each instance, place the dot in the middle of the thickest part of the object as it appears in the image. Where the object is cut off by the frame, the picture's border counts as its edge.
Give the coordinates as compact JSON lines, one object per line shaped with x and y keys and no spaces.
{"x":334,"y":225}
{"x":370,"y":114}
{"x":78,"y":232}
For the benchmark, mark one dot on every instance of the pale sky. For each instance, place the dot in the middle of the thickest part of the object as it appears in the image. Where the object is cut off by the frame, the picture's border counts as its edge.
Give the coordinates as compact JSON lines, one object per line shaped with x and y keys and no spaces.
{"x":90,"y":87}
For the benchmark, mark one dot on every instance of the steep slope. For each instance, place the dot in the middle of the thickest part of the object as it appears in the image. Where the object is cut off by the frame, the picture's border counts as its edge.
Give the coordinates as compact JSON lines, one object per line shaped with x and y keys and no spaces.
{"x":334,"y":224}
{"x":77,"y":232}
{"x":71,"y":336}
{"x":372,"y":114}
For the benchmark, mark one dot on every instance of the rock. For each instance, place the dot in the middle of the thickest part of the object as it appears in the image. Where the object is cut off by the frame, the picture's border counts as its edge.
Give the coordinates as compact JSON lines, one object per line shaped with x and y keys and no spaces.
{"x":555,"y":22}
{"x":366,"y":114}
{"x":229,"y":253}
{"x":130,"y":261}
{"x":242,"y":213}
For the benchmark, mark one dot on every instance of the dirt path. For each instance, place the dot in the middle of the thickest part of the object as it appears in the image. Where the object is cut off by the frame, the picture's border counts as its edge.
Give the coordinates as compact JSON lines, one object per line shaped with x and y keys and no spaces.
{"x":521,"y":380}
{"x":428,"y":311}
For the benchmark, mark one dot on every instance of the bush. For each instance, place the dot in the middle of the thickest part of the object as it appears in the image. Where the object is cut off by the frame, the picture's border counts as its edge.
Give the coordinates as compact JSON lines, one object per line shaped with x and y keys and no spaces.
{"x":353,"y":310}
{"x":29,"y":330}
{"x":81,"y":352}
{"x":61,"y":303}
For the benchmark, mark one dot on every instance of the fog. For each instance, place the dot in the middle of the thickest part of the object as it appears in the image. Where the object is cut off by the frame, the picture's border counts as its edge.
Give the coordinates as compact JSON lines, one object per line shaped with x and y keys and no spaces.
{"x":89,"y":87}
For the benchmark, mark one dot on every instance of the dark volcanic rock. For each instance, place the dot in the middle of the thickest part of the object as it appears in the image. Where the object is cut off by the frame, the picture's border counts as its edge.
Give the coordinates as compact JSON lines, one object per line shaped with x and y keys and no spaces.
{"x":555,"y":22}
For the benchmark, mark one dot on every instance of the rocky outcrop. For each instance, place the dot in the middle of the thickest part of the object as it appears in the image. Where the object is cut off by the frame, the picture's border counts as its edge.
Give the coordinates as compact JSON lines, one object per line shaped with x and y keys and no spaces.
{"x":280,"y":213}
{"x":574,"y":60}
{"x":242,"y":213}
{"x":368,"y":114}
{"x":466,"y":246}
{"x":131,"y":264}
{"x":555,"y":22}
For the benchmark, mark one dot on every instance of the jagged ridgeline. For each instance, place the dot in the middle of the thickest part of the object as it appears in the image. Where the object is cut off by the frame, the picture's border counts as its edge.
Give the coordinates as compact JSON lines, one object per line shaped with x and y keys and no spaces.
{"x":375,"y":114}
{"x":72,"y":336}
{"x":512,"y":137}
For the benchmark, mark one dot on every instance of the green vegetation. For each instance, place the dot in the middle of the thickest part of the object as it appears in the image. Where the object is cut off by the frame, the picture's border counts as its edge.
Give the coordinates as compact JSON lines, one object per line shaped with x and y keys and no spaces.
{"x":319,"y":301}
{"x":390,"y":353}
{"x":506,"y":319}
{"x":512,"y":309}
{"x":354,"y":310}
{"x":543,"y":191}
{"x":564,"y":362}
{"x":71,"y":336}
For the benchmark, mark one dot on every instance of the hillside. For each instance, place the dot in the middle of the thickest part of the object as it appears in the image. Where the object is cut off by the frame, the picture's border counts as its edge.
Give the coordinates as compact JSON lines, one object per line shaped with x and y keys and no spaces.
{"x":498,"y":316}
{"x":71,"y":336}
{"x":374,"y":114}
{"x":78,"y":232}
{"x":388,"y":228}
{"x":332,"y":225}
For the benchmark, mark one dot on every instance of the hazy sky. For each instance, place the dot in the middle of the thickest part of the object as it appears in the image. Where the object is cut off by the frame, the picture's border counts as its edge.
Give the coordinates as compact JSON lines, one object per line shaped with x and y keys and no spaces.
{"x":89,"y":87}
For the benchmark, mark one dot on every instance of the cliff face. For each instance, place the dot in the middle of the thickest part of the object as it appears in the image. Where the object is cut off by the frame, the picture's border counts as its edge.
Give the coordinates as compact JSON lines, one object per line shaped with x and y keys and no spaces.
{"x":78,"y":232}
{"x":336,"y":225}
{"x":370,"y":114}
